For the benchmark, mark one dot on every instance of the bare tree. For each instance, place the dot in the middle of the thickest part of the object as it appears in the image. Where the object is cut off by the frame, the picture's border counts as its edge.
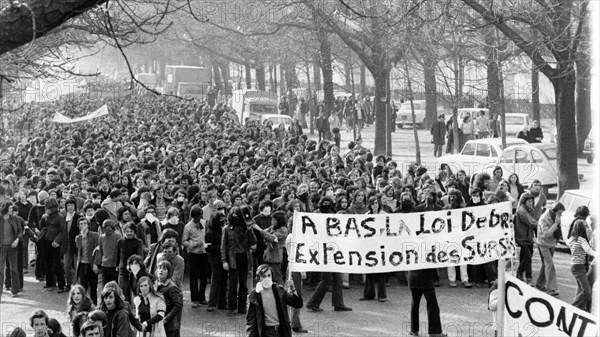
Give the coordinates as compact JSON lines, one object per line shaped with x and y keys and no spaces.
{"x":560,"y":23}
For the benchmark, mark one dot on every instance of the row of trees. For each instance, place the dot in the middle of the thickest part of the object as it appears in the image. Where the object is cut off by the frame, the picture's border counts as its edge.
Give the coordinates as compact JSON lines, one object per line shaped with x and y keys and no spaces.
{"x":436,"y":39}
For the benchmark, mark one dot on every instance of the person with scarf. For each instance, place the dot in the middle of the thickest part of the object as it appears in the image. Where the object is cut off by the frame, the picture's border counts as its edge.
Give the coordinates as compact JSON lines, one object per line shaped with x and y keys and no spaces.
{"x":237,"y":242}
{"x":267,"y":310}
{"x":52,"y":234}
{"x":549,"y":223}
{"x":525,"y":223}
{"x":274,"y":237}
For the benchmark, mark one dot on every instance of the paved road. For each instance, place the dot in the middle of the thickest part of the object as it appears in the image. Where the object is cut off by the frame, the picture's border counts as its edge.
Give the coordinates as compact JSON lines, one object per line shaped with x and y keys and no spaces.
{"x":463,"y":311}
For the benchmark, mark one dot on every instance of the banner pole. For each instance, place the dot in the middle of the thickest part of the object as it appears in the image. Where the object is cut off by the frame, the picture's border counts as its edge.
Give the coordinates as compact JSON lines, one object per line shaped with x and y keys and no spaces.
{"x":501,"y":297}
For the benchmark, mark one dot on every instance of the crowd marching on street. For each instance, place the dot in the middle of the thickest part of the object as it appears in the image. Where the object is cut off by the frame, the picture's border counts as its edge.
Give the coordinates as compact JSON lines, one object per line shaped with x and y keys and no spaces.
{"x":163,"y":189}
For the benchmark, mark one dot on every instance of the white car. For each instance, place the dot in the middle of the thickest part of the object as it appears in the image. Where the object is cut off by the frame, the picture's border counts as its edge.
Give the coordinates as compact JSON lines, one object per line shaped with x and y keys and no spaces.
{"x":277,"y":120}
{"x":478,"y":155}
{"x":529,"y":162}
{"x":515,"y":123}
{"x":404,"y":114}
{"x":572,"y":199}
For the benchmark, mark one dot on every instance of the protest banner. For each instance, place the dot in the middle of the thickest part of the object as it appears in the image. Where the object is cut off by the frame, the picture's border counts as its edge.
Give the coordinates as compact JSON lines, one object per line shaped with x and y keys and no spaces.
{"x":530,"y":312}
{"x":60,"y":118}
{"x":366,"y":243}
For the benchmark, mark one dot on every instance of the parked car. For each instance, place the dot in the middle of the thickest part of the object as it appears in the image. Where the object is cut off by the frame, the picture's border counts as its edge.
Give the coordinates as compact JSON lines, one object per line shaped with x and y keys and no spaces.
{"x":405,"y":114}
{"x":478,"y":155}
{"x":529,"y":162}
{"x":572,"y":199}
{"x":589,"y":146}
{"x":277,"y":120}
{"x":515,"y":123}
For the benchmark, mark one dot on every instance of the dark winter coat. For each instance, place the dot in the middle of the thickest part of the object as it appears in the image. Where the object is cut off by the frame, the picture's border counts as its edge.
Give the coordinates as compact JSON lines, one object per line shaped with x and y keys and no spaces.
{"x":525,"y":224}
{"x":438,"y":131}
{"x":255,"y":319}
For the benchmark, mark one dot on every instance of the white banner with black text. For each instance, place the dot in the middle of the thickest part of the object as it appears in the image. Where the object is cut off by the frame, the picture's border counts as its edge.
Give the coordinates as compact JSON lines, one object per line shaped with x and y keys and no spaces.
{"x":366,"y":243}
{"x":530,"y":312}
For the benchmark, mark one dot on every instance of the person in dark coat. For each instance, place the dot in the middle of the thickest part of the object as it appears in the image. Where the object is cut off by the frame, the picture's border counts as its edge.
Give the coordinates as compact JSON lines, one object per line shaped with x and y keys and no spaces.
{"x":420,"y":283}
{"x":322,"y":124}
{"x":525,"y":223}
{"x":137,"y":270}
{"x":267,"y":310}
{"x":52,"y":235}
{"x":438,"y":133}
{"x":218,"y":286}
{"x":173,"y":298}
{"x":86,"y":243}
{"x":535,"y":134}
{"x":68,"y":247}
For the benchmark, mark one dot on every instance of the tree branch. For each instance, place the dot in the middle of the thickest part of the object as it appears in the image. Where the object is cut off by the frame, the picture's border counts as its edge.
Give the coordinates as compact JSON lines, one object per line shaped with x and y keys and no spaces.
{"x":16,"y":26}
{"x":526,"y":47}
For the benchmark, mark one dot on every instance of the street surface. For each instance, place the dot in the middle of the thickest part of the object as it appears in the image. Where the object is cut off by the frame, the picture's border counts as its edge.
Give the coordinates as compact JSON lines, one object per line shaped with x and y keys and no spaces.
{"x":463,"y":311}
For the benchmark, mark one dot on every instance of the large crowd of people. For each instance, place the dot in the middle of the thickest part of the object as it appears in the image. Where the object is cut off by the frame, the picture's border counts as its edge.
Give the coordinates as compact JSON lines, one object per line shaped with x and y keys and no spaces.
{"x":163,"y":189}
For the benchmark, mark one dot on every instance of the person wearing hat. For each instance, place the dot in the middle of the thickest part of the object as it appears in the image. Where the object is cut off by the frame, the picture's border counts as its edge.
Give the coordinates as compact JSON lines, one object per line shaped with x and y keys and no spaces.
{"x":327,"y":206}
{"x":236,"y":244}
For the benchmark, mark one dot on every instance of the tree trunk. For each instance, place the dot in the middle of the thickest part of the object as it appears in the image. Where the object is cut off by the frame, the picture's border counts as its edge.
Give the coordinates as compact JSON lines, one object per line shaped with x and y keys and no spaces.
{"x":260,"y":77}
{"x":414,"y":118}
{"x":566,"y":140}
{"x":291,"y":78}
{"x":535,"y":94}
{"x":274,"y":79}
{"x":348,"y":79}
{"x":248,"y":76}
{"x":429,"y":66}
{"x":383,"y":119}
{"x":216,"y":75}
{"x":583,"y":108}
{"x":282,"y":89}
{"x":271,"y":87}
{"x":225,"y":72}
{"x":363,"y":80}
{"x":493,"y":75}
{"x":317,"y":75}
{"x":326,"y":68}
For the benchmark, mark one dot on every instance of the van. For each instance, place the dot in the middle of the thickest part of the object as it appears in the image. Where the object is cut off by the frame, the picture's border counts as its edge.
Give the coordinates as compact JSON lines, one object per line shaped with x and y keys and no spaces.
{"x":251,"y":104}
{"x":404,"y":115}
{"x":515,"y":123}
